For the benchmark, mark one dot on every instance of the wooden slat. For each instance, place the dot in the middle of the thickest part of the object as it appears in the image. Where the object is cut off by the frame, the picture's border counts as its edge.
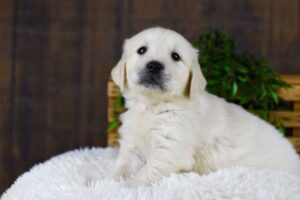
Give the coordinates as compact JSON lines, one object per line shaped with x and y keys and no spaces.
{"x":290,"y":94}
{"x":111,"y":109}
{"x":296,"y":106}
{"x":296,"y":142}
{"x":110,"y":114}
{"x":288,"y":118}
{"x":291,"y":79}
{"x":113,"y":90}
{"x":296,"y":132}
{"x":113,"y":139}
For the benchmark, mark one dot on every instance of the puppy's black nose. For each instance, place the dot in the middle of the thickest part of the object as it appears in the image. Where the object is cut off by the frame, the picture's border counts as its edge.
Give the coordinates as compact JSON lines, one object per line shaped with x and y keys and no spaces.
{"x":154,"y":66}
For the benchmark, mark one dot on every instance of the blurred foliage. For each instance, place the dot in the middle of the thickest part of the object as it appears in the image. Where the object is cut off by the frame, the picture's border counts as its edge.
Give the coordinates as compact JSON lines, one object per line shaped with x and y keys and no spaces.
{"x":239,"y":78}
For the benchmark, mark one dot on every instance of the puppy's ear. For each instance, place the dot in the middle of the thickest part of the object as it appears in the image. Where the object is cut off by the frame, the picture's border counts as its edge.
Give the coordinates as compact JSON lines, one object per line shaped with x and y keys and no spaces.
{"x":196,"y":80}
{"x":118,"y":73}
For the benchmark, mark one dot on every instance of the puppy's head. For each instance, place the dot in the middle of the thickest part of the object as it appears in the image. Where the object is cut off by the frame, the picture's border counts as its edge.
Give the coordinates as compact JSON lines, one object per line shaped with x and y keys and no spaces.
{"x":161,"y":62}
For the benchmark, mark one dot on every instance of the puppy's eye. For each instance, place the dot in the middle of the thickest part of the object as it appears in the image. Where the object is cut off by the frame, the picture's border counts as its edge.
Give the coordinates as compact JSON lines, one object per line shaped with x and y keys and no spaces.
{"x":175,"y":56}
{"x":142,"y":50}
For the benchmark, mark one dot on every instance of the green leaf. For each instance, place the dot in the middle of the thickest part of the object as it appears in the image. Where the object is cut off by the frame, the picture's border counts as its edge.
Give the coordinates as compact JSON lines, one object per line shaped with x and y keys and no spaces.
{"x":234,"y":89}
{"x":281,"y":129}
{"x":119,"y":102}
{"x":113,"y":124}
{"x":274,"y":97}
{"x":243,"y":69}
{"x":242,"y":79}
{"x":263,"y":91}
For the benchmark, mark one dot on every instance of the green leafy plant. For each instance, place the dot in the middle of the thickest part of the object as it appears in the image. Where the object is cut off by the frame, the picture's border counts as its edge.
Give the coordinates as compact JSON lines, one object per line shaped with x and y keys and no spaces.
{"x":239,"y":78}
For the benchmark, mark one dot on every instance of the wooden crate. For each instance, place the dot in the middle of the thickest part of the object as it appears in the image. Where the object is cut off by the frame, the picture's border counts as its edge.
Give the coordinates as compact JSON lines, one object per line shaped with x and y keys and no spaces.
{"x":289,"y":118}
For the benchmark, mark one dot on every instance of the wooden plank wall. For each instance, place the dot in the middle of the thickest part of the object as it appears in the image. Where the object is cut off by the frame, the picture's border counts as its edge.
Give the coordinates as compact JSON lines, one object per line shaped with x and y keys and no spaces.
{"x":55,"y":59}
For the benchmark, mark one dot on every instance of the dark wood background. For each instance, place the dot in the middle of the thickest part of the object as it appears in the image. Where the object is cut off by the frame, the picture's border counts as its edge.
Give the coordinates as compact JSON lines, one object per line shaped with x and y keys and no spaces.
{"x":56,"y":56}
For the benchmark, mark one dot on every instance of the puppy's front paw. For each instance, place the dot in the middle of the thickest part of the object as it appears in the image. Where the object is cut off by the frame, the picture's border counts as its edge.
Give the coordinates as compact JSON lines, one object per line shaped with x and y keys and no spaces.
{"x":117,"y":175}
{"x":120,"y":173}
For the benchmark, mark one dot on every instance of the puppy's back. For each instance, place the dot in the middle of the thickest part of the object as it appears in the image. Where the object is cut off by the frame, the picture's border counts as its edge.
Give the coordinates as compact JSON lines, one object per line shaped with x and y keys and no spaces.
{"x":240,"y":138}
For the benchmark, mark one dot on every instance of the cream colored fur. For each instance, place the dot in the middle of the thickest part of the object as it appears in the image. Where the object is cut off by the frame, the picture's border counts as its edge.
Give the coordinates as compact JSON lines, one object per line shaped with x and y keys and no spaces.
{"x":184,"y":128}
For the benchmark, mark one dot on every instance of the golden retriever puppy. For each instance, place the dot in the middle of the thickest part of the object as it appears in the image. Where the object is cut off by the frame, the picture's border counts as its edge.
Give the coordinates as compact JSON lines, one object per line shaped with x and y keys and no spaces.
{"x":173,"y":125}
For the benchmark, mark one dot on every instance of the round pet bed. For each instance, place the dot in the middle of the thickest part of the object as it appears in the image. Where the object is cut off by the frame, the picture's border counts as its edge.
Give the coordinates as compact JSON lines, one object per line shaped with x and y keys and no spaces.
{"x":85,"y":175}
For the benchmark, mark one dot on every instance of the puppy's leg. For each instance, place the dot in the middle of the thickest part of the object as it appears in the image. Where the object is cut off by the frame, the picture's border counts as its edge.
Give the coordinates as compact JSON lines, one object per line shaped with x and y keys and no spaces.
{"x":165,"y":160}
{"x":128,"y":162}
{"x":120,"y":169}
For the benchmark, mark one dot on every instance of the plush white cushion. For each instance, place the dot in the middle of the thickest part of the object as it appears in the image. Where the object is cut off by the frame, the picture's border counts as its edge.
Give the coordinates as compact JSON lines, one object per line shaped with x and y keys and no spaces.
{"x":85,"y":175}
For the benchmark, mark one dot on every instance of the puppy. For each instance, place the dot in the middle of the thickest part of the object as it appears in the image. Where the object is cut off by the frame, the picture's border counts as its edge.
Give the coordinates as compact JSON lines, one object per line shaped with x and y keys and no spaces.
{"x":173,"y":125}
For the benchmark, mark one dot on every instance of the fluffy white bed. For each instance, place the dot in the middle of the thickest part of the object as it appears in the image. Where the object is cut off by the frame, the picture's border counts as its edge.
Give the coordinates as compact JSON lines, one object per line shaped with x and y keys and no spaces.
{"x":85,"y":175}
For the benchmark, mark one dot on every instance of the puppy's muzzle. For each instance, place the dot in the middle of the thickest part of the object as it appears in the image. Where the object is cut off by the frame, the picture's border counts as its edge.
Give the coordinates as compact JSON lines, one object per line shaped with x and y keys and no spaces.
{"x":152,"y":75}
{"x":154,"y":67}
